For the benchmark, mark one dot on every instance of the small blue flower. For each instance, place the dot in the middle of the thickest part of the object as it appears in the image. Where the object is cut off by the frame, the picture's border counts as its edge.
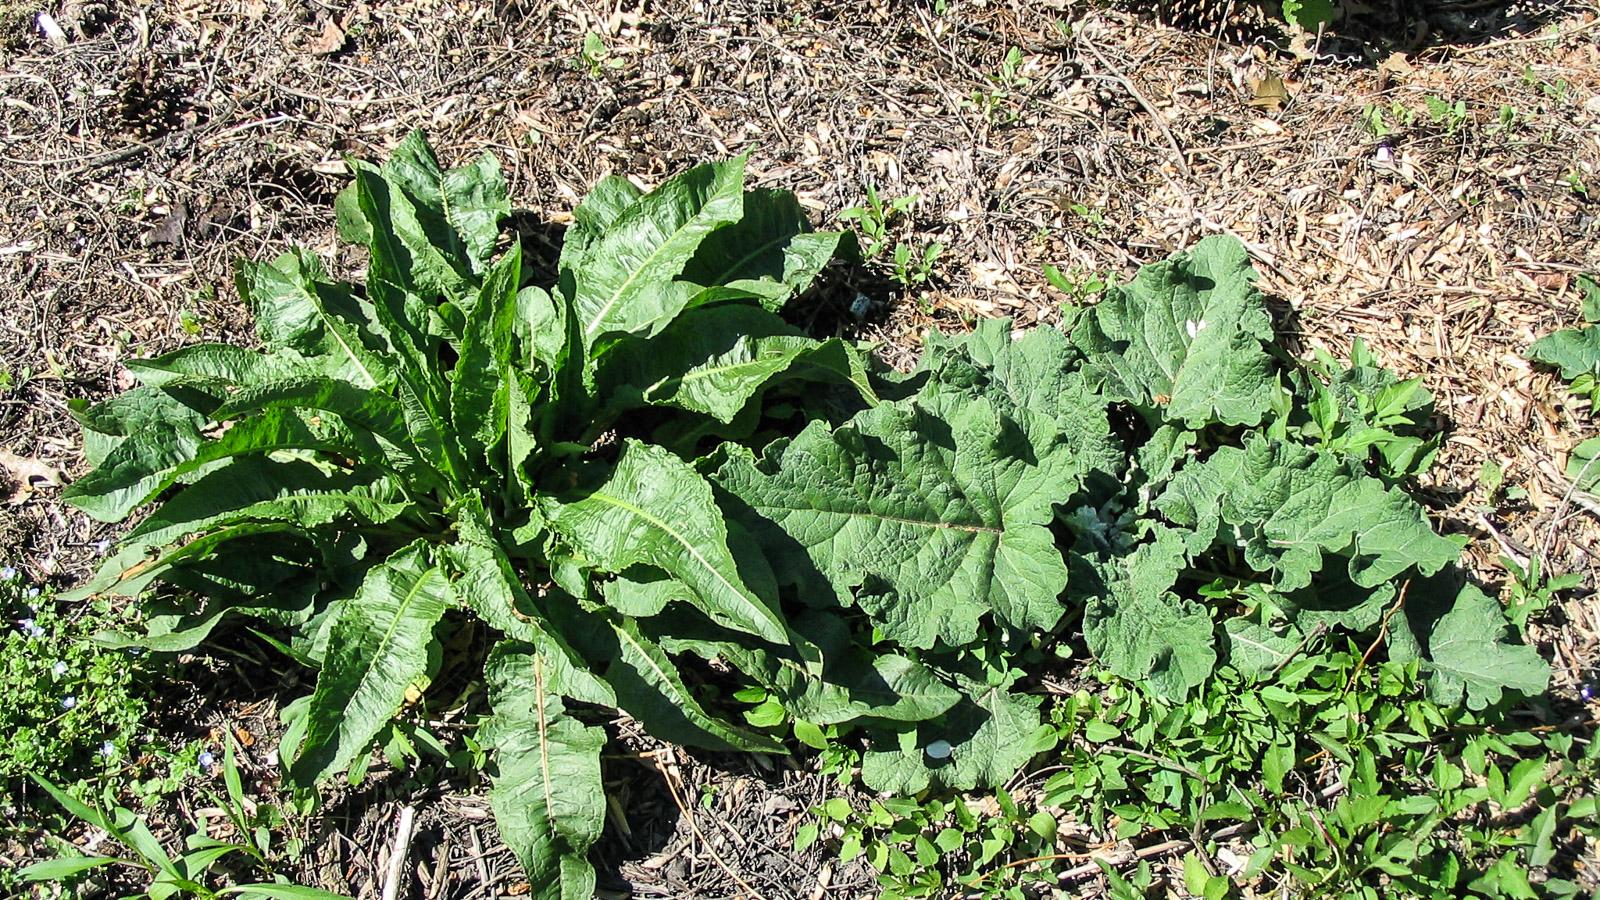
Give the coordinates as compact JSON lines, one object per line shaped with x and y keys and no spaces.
{"x":102,"y":545}
{"x":30,"y":628}
{"x":8,"y":573}
{"x":108,"y":750}
{"x":32,"y":593}
{"x":59,"y":669}
{"x":1588,"y":691}
{"x":69,"y":702}
{"x":206,"y":760}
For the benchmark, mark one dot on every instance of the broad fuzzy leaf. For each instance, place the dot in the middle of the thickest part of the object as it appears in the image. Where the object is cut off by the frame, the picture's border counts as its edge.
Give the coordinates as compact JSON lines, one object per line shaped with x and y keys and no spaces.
{"x":379,"y":647}
{"x":928,"y":519}
{"x":1465,"y":648}
{"x":1290,"y":506}
{"x":1185,"y":338}
{"x":1575,"y":351}
{"x":547,"y":796}
{"x":992,"y":734}
{"x":1144,"y":631}
{"x":655,"y":510}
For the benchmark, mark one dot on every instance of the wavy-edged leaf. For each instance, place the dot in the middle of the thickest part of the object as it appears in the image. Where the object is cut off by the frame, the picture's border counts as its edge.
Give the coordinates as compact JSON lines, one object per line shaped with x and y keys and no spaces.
{"x":853,"y":683}
{"x":379,"y":647}
{"x":1290,"y":506}
{"x":715,"y":360}
{"x":626,"y":282}
{"x":1467,"y":655}
{"x":481,"y":383}
{"x":148,"y":462}
{"x":438,"y":226}
{"x":1145,"y":632}
{"x":1186,"y":338}
{"x":655,"y":510}
{"x":992,"y":733}
{"x":926,"y":519}
{"x":605,"y":203}
{"x":547,"y":796}
{"x":299,"y":309}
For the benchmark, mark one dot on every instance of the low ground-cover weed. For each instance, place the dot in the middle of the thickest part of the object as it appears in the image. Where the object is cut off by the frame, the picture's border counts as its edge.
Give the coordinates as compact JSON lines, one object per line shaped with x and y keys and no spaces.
{"x":73,"y":709}
{"x":659,"y":495}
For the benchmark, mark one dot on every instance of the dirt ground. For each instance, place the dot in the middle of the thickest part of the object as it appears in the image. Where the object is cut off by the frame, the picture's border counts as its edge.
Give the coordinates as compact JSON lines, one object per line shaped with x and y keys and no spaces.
{"x":150,"y":144}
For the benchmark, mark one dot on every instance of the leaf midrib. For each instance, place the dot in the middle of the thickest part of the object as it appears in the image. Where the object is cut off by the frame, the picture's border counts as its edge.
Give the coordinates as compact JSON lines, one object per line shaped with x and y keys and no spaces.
{"x":885,"y":517}
{"x":762,"y":612}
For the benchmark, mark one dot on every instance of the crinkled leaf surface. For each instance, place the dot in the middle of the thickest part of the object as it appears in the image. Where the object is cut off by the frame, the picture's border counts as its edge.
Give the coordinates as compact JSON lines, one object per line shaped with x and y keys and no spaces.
{"x":769,"y":254}
{"x":992,"y":734}
{"x":1469,"y":657}
{"x":1186,"y":337}
{"x":927,"y":518}
{"x":1144,"y":631}
{"x":548,"y":799}
{"x":1290,"y":506}
{"x":379,"y":647}
{"x":626,"y":281}
{"x":715,"y":360}
{"x":655,"y":510}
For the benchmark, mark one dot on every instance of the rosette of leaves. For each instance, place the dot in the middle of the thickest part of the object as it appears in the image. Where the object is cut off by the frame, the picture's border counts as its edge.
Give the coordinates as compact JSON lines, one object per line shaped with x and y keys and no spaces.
{"x":1205,"y":500}
{"x":446,"y":440}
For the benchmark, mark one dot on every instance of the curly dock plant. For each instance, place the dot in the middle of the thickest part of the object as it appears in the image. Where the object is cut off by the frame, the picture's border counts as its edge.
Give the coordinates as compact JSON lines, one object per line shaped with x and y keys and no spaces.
{"x":641,"y":469}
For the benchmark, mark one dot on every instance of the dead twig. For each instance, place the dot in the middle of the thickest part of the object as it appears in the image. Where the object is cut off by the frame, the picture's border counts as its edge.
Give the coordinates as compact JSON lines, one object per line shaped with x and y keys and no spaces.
{"x":398,"y":851}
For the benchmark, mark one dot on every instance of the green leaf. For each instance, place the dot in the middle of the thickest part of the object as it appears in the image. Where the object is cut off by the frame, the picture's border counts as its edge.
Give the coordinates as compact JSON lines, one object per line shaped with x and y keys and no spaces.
{"x":655,"y":510}
{"x":649,"y":688}
{"x":1308,"y":15}
{"x":1185,"y":338}
{"x":281,"y":892}
{"x":1255,"y":649}
{"x":480,"y":388}
{"x":63,"y":868}
{"x":298,"y":309}
{"x":1583,"y":465}
{"x":769,"y":254}
{"x":1290,"y":506}
{"x":439,"y":226}
{"x":610,"y":197}
{"x":626,"y":281}
{"x":1145,"y":632}
{"x":715,"y":360}
{"x":488,"y":584}
{"x":147,"y":463}
{"x":1469,"y":657}
{"x":1575,"y":351}
{"x":991,"y":735}
{"x":547,"y":796}
{"x":379,"y":647}
{"x":928,"y":518}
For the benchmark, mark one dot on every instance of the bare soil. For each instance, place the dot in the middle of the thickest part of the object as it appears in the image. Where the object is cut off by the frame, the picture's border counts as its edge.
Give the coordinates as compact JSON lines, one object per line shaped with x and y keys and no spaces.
{"x":155,"y":143}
